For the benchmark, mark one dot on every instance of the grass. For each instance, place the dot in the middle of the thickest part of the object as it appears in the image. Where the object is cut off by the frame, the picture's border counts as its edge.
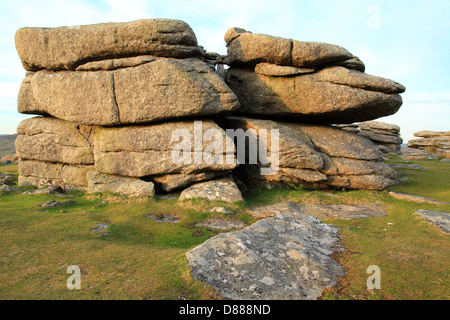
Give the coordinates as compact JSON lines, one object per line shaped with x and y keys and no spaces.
{"x":433,"y":183}
{"x":143,"y":259}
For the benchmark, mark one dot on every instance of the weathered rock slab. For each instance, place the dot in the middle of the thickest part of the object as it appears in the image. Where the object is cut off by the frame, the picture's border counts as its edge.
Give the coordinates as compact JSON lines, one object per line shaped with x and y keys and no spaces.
{"x":415,"y":198}
{"x":439,"y":218}
{"x":53,"y":190}
{"x":65,"y":48}
{"x":6,"y":179}
{"x":55,"y":204}
{"x":171,"y":182}
{"x":39,"y":174}
{"x":140,"y":151}
{"x":406,"y":166}
{"x":162,"y":88}
{"x":7,"y":188}
{"x":331,"y":95}
{"x":247,"y":48}
{"x":283,"y":257}
{"x":163,"y":218}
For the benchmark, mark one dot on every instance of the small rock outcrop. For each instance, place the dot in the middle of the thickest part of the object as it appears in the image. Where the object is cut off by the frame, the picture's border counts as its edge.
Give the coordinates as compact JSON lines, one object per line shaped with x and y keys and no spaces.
{"x":439,"y":218}
{"x":433,"y":142}
{"x":385,"y":136}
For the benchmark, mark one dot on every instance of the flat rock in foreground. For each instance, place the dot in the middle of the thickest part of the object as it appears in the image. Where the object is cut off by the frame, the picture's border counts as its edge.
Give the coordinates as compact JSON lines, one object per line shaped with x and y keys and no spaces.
{"x":283,"y":257}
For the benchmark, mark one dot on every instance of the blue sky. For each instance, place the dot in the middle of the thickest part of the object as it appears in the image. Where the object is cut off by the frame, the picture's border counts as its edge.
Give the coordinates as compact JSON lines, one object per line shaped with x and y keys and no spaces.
{"x":406,"y":41}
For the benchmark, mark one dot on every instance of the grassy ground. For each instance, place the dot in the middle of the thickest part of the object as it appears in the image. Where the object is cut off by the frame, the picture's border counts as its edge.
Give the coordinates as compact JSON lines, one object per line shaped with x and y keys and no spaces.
{"x":143,"y":259}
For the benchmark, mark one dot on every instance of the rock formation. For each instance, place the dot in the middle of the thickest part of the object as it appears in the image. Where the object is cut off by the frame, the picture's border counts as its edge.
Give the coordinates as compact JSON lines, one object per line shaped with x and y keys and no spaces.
{"x":304,"y":81}
{"x":301,"y":88}
{"x":137,"y":108}
{"x":385,"y":135}
{"x":433,"y":142}
{"x":321,"y":211}
{"x":111,"y":96}
{"x":318,"y":155}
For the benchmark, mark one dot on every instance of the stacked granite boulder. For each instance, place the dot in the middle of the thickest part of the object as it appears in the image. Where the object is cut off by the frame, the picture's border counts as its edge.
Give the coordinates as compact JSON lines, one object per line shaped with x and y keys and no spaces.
{"x":110,"y":96}
{"x":385,"y":135}
{"x":302,"y":88}
{"x":436,"y":143}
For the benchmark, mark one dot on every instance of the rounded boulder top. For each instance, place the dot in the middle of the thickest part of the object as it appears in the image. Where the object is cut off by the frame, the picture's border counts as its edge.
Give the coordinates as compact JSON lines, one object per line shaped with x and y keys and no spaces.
{"x":247,"y":48}
{"x":64,"y":48}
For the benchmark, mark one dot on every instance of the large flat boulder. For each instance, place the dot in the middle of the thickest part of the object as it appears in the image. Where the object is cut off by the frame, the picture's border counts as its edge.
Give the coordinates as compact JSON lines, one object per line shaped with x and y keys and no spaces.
{"x":287,"y":257}
{"x":140,"y":151}
{"x":157,"y":89}
{"x":53,"y":140}
{"x":330,"y":95}
{"x":65,"y":48}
